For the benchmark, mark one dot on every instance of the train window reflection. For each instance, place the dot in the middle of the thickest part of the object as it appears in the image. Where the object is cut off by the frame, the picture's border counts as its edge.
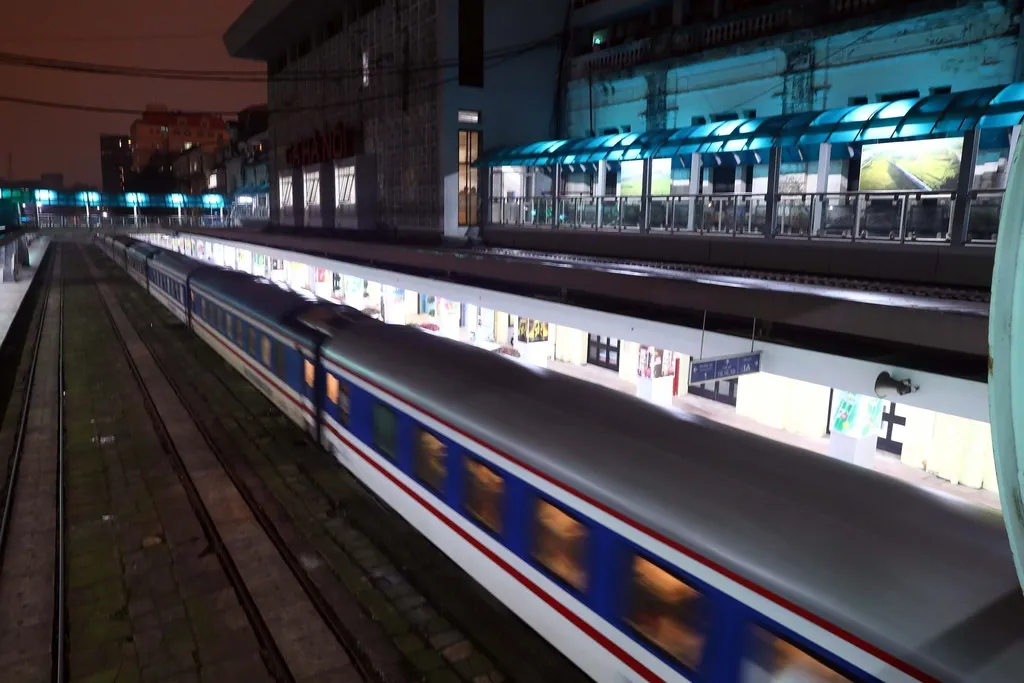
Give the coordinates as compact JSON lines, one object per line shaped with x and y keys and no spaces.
{"x":484,"y":493}
{"x":561,"y":544}
{"x":385,"y":430}
{"x":265,"y":351}
{"x":667,"y":612}
{"x":774,"y":660}
{"x":431,"y":454}
{"x":332,"y":388}
{"x":307,"y":370}
{"x":280,"y":364}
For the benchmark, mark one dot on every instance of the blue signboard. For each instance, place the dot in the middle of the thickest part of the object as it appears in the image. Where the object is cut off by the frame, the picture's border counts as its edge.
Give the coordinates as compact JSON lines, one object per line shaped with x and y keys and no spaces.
{"x":726,"y":367}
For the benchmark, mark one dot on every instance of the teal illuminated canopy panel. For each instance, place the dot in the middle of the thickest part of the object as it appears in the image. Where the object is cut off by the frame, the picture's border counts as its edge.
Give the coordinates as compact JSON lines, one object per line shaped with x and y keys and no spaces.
{"x":98,"y":200}
{"x":993,"y":110}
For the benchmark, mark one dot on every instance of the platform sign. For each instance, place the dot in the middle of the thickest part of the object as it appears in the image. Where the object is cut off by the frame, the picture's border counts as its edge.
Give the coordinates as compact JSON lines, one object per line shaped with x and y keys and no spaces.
{"x":724,"y":367}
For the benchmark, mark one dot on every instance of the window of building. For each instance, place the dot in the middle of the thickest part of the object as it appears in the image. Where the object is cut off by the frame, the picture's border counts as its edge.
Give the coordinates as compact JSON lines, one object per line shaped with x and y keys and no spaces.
{"x":771,"y":658}
{"x":940,"y":90}
{"x":431,"y":454}
{"x":901,"y":95}
{"x":603,"y":351}
{"x":485,"y":491}
{"x":284,"y":194}
{"x":471,"y":43}
{"x":265,"y":349}
{"x":344,"y":186}
{"x":469,"y":151}
{"x":311,"y":190}
{"x":307,"y":371}
{"x":469,"y":116}
{"x":858,"y":101}
{"x":385,"y":430}
{"x":560,"y":544}
{"x":366,"y":69}
{"x":667,"y":612}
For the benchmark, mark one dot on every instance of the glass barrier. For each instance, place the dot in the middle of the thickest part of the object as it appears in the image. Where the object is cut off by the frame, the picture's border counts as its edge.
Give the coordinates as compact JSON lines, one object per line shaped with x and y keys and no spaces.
{"x":910,"y":216}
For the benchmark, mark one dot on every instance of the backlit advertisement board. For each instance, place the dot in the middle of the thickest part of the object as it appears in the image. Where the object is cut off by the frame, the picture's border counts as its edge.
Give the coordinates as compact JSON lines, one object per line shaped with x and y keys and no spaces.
{"x":921,"y":165}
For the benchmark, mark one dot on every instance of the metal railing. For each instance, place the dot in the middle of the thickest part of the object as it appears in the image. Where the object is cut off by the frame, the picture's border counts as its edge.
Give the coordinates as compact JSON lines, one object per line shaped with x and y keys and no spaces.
{"x":80,"y":222}
{"x":851,"y":216}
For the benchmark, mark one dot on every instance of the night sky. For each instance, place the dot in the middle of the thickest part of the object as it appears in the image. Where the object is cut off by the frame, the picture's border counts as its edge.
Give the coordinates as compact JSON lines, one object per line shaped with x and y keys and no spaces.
{"x":183,"y":34}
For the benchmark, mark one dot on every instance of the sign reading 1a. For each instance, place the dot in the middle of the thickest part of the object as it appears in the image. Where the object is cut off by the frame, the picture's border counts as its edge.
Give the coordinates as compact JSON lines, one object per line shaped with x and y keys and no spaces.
{"x":724,"y":367}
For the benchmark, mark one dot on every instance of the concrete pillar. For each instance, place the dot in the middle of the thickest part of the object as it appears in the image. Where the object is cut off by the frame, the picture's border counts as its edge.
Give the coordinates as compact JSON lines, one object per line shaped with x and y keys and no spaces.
{"x":556,"y":193}
{"x":696,"y":182}
{"x":772,"y":198}
{"x":821,"y":187}
{"x":964,"y":184}
{"x":645,"y":197}
{"x":599,"y":190}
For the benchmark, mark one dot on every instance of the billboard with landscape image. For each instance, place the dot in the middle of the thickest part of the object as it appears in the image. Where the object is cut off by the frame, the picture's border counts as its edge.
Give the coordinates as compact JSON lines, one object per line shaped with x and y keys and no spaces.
{"x":922,"y":165}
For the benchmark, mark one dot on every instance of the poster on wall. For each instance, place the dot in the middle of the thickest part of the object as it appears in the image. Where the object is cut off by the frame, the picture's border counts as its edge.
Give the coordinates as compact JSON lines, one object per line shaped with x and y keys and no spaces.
{"x":631,"y":178}
{"x":856,"y":416}
{"x":655,"y":363}
{"x":917,"y":165}
{"x":532,"y":331}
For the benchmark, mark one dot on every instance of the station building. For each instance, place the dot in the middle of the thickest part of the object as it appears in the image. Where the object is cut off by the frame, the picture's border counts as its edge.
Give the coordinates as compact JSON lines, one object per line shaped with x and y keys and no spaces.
{"x":544,"y":122}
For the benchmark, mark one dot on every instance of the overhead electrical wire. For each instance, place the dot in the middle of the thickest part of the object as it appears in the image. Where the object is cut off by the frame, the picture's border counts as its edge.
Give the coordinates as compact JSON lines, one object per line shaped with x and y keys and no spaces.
{"x":243,"y":76}
{"x":97,"y":109}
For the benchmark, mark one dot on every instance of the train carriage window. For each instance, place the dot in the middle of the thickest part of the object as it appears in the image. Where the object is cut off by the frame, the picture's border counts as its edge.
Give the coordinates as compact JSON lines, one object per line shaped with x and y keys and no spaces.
{"x":239,"y":339}
{"x":560,"y":544}
{"x":337,"y":393}
{"x":485,"y":491}
{"x":252,"y":341}
{"x":265,"y":349}
{"x":770,"y":659}
{"x":431,"y":454}
{"x":227,"y":325}
{"x":203,"y":314}
{"x":385,"y":430}
{"x":307,"y":370}
{"x":280,"y":362}
{"x":667,"y":612}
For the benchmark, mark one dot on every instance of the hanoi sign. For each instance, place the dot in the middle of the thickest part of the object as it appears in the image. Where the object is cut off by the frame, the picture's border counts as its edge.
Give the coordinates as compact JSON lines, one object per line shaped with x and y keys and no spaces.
{"x":334,"y":143}
{"x":724,"y":367}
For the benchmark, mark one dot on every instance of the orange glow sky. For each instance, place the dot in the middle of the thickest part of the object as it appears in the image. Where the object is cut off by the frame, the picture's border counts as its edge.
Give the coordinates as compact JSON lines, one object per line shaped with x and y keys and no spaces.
{"x":185,"y":34}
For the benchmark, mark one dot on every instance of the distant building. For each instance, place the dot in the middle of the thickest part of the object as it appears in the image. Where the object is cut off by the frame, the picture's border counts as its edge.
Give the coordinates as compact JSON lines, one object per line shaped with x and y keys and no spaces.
{"x":52,"y":181}
{"x":115,"y":161}
{"x":173,"y":132}
{"x":192,"y":169}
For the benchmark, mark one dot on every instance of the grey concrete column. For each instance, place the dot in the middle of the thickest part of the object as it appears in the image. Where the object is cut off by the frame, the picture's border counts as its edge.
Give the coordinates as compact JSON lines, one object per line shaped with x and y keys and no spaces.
{"x":696,"y":183}
{"x":821,"y":187}
{"x":298,"y":198}
{"x":772,"y":197}
{"x":556,"y":193}
{"x":964,"y":185}
{"x":645,"y":196}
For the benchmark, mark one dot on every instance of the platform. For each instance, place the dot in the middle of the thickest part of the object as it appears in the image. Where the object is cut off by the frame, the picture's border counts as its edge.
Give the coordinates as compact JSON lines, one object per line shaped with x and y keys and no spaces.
{"x":13,"y":293}
{"x":907,"y":326}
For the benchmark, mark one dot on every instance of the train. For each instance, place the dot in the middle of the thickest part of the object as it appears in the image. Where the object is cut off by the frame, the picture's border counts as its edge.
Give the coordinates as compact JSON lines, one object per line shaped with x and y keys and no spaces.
{"x":645,"y":544}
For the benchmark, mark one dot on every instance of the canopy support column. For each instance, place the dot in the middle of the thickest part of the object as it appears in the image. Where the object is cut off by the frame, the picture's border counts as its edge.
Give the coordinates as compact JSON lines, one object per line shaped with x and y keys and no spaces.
{"x":964,"y":184}
{"x":771,"y":218}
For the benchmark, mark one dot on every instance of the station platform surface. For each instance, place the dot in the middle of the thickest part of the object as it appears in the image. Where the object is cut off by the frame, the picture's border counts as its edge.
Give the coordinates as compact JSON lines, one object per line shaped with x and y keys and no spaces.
{"x":12,"y":293}
{"x":884,"y":463}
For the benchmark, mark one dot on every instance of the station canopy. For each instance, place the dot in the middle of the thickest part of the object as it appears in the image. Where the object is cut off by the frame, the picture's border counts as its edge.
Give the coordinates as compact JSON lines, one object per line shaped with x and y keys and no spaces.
{"x":100,"y":200}
{"x":994,"y":111}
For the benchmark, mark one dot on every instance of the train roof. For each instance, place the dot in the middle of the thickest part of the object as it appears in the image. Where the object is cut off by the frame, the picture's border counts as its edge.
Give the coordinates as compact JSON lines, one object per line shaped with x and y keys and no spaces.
{"x":142,"y":250}
{"x":274,"y":305}
{"x":176,"y":264}
{"x":903,"y":568}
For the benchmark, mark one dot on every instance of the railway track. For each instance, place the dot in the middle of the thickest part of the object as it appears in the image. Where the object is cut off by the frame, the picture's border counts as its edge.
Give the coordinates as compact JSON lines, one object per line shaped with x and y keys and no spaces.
{"x":33,"y":611}
{"x":426,"y":617}
{"x":300,"y":636}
